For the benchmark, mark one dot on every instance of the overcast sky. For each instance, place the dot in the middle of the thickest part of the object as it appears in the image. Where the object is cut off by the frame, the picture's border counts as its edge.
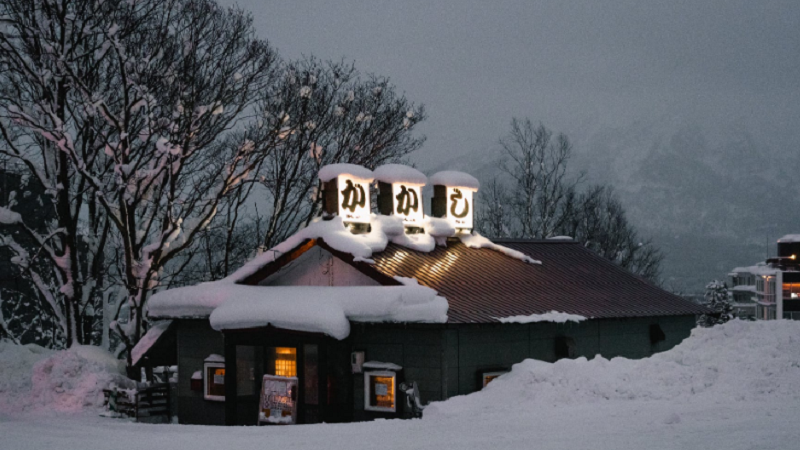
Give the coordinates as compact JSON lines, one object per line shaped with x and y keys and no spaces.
{"x":573,"y":65}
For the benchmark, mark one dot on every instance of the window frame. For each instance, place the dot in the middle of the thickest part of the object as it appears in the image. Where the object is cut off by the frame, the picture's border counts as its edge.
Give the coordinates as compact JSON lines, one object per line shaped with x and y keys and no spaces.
{"x":206,"y":394}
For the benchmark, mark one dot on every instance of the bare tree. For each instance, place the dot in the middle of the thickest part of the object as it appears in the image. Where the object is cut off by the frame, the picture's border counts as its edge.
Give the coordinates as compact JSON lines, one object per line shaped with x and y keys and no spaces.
{"x":538,"y":165}
{"x":546,"y":200}
{"x":493,"y":217}
{"x":327,"y":114}
{"x":130,"y":110}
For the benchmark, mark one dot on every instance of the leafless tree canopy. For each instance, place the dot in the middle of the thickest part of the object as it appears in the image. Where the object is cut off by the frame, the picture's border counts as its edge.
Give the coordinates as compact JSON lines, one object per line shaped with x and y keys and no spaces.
{"x":544,"y":200}
{"x":170,"y":143}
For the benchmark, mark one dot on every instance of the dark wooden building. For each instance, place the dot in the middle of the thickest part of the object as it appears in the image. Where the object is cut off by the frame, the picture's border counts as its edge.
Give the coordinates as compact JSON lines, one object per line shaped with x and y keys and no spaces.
{"x":499,"y":312}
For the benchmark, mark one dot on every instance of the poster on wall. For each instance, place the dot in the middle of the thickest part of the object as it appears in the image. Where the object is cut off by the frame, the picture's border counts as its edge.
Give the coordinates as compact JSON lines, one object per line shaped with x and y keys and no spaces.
{"x":353,"y":199}
{"x":278,"y":400}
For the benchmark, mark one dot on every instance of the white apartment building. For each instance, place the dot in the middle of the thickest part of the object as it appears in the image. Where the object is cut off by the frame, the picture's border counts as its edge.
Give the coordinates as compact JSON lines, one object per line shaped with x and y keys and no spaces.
{"x":770,"y":289}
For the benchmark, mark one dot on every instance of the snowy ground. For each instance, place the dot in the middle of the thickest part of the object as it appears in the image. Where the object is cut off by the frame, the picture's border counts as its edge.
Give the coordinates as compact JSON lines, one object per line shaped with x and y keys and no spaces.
{"x":734,"y":387}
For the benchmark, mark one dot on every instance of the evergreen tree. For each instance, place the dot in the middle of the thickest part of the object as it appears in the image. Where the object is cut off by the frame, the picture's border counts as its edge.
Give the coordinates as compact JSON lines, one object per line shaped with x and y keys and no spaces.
{"x":718,"y":299}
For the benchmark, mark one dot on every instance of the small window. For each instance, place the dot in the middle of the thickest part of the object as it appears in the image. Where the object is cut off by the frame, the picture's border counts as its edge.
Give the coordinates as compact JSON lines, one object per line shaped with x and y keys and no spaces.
{"x":656,"y":334}
{"x":379,"y":391}
{"x":487,"y":377}
{"x":286,"y":362}
{"x":214,"y":381}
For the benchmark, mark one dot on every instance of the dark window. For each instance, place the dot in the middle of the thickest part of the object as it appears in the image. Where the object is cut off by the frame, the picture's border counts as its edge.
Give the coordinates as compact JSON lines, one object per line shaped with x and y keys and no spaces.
{"x":656,"y":334}
{"x":565,"y":347}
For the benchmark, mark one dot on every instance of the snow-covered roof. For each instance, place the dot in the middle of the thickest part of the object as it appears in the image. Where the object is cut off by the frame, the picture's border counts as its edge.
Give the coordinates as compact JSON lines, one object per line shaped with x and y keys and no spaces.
{"x":789,"y":238}
{"x":325,"y":309}
{"x":758,"y":269}
{"x":398,"y":173}
{"x":331,"y":171}
{"x":149,"y":339}
{"x":453,"y":178}
{"x":232,"y":305}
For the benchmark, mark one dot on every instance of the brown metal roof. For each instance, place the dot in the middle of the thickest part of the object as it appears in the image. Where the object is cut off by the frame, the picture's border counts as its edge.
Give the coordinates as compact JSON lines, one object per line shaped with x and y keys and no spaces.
{"x":482,"y":285}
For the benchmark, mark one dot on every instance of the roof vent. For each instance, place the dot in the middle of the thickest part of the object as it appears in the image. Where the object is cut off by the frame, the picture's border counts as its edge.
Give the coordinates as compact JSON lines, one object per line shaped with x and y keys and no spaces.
{"x":400,"y":193}
{"x":453,"y":198}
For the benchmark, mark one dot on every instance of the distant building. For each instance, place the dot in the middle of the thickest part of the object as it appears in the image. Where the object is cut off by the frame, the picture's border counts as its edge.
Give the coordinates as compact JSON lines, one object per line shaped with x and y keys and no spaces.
{"x":770,"y":289}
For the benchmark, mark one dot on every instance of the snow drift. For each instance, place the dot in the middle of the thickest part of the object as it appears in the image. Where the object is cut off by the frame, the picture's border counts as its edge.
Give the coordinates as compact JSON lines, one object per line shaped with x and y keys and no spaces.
{"x":33,"y":378}
{"x":738,"y":361}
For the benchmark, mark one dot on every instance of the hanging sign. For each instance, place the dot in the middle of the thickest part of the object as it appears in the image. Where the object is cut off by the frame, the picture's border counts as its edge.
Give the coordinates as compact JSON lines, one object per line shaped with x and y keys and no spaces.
{"x":353,"y":199}
{"x":459,"y":207}
{"x":407,"y":203}
{"x":278,"y":400}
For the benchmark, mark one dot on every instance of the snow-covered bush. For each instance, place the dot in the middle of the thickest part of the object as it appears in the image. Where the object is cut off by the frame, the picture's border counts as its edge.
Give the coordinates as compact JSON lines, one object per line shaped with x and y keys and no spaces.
{"x":33,"y":378}
{"x":718,"y":299}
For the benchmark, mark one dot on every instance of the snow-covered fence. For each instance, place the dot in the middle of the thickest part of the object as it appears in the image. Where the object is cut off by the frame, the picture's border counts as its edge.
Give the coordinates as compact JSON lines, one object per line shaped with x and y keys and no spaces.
{"x":142,"y":404}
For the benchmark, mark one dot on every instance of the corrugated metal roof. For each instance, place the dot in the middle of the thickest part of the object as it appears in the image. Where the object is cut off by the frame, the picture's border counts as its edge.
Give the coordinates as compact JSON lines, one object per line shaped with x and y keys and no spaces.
{"x":482,"y":285}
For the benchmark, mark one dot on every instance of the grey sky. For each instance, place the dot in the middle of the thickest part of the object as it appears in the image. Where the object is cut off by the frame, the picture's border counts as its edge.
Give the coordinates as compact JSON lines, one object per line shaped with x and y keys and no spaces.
{"x":695,"y":103}
{"x":569,"y":64}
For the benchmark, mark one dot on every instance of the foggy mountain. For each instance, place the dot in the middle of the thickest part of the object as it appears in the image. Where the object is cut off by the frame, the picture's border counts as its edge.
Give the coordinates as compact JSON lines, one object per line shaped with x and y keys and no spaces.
{"x":710,"y":200}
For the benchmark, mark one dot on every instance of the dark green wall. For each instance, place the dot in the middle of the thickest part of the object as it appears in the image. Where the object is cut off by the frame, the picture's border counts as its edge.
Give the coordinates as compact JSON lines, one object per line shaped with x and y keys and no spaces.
{"x":446,"y":360}
{"x":196,"y":341}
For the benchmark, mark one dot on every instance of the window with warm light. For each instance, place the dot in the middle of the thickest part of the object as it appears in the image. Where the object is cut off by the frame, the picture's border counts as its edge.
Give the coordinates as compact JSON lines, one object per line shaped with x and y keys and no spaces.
{"x":286,"y":361}
{"x":380,"y":391}
{"x":487,"y":377}
{"x":214,"y":381}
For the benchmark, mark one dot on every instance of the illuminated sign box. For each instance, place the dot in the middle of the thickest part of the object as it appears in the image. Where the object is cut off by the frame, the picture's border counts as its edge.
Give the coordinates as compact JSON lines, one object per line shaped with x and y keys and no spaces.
{"x":214,"y":380}
{"x":453,"y":198}
{"x":380,"y":391}
{"x":353,"y":199}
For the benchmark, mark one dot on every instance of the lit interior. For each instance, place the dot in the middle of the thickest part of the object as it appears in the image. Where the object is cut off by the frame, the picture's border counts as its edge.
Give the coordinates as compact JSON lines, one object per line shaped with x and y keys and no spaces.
{"x":382,"y":392}
{"x":286,"y":361}
{"x":216,"y":381}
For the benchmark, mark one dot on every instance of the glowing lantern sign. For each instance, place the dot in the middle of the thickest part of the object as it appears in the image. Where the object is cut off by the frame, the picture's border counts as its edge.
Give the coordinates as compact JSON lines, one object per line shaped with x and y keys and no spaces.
{"x":346,"y":192}
{"x":453,"y":194}
{"x":400,"y":193}
{"x":353,"y":199}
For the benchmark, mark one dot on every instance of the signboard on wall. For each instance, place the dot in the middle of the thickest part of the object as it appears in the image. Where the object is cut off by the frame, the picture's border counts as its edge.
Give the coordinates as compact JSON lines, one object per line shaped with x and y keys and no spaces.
{"x":459,"y":207}
{"x":353,"y":199}
{"x":407,"y":203}
{"x":278,"y":403}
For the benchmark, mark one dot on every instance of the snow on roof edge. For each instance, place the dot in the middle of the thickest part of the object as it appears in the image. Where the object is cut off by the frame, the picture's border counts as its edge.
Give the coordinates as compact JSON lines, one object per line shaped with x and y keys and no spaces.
{"x":331,"y":171}
{"x":454,"y":178}
{"x":397,"y":173}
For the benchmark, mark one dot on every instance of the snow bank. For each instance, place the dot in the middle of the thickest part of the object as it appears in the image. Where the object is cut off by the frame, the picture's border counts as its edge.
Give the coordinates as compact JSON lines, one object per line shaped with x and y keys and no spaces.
{"x":399,"y":173}
{"x":331,"y":171}
{"x":452,"y":178}
{"x":36,"y":379}
{"x":738,"y":361}
{"x":552,"y":316}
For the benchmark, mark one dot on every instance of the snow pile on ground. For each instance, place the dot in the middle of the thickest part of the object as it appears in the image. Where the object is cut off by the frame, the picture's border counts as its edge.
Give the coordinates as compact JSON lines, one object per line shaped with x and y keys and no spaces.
{"x":552,"y":316}
{"x":33,"y":378}
{"x":738,"y":361}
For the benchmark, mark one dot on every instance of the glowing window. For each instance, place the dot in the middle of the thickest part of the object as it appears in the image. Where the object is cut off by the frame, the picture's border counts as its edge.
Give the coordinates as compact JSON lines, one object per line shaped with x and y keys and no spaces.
{"x":379,"y":391}
{"x":286,"y":361}
{"x":487,"y":377}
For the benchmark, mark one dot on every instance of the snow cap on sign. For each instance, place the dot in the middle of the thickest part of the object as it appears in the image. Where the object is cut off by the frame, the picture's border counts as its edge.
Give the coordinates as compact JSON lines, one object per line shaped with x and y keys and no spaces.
{"x":331,"y":171}
{"x":452,"y":178}
{"x":399,"y":173}
{"x":790,"y":238}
